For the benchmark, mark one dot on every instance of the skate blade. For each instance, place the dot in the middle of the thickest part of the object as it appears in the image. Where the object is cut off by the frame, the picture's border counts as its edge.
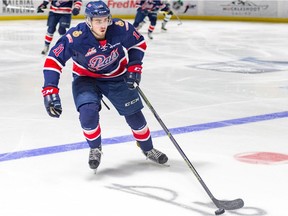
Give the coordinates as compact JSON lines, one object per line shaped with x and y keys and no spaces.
{"x":94,"y":171}
{"x":165,"y":164}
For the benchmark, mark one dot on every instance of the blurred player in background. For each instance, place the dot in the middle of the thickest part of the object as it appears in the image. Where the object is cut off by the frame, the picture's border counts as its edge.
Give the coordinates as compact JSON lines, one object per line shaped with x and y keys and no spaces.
{"x":167,"y":12}
{"x":59,"y":13}
{"x":177,"y":4}
{"x":107,"y":60}
{"x":150,"y":9}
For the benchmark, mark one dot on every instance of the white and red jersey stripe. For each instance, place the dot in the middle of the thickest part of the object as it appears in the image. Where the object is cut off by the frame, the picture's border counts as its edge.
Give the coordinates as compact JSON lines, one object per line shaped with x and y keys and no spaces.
{"x":64,"y":6}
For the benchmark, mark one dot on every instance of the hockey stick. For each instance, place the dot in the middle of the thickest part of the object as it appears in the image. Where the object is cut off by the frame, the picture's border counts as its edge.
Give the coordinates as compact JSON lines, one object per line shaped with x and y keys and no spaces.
{"x":20,"y":8}
{"x":180,"y":22}
{"x":173,"y":13}
{"x":222,"y":205}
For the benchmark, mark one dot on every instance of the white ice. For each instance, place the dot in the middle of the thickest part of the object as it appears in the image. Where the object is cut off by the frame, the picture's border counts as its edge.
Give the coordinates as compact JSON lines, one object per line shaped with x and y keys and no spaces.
{"x":195,"y":73}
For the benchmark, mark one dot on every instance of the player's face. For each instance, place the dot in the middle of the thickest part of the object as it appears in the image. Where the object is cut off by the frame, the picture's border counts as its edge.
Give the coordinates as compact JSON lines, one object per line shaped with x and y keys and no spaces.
{"x":99,"y":26}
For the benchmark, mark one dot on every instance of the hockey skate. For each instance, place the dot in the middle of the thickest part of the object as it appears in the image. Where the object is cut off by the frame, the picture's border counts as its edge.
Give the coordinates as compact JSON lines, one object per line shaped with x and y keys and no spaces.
{"x":163,"y":26}
{"x":156,"y":156}
{"x":150,"y":35}
{"x":140,"y":25}
{"x":95,"y":158}
{"x":45,"y":50}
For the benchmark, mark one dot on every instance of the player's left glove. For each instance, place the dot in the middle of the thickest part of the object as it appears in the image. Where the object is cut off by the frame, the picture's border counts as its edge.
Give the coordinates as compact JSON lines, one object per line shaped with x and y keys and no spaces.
{"x":133,"y":75}
{"x":75,"y":11}
{"x":52,"y":101}
{"x":41,"y":7}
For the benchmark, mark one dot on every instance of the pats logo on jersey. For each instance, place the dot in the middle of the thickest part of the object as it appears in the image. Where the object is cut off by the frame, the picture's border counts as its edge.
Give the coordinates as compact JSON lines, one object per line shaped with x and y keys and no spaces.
{"x":99,"y":62}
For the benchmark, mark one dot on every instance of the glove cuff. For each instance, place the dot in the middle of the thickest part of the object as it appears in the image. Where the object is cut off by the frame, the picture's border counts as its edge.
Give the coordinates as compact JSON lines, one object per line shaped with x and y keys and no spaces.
{"x":49,"y":91}
{"x":78,"y":5}
{"x":135,"y":69}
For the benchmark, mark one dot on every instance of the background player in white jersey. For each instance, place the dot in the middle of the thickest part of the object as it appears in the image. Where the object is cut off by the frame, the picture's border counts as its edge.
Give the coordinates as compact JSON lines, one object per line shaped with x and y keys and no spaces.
{"x":59,"y":13}
{"x":167,"y":12}
{"x":99,"y":49}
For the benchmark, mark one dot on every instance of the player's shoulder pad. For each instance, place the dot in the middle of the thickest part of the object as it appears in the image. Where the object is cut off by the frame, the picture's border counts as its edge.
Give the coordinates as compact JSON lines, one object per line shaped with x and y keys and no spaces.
{"x":121,"y":25}
{"x":77,"y":33}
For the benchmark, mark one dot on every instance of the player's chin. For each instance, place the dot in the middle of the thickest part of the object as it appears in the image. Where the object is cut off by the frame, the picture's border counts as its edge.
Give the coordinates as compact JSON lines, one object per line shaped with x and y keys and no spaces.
{"x":103,"y":33}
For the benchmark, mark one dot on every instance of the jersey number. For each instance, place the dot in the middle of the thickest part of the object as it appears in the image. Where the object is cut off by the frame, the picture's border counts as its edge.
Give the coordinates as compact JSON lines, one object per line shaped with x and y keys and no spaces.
{"x":136,"y":35}
{"x":58,"y":50}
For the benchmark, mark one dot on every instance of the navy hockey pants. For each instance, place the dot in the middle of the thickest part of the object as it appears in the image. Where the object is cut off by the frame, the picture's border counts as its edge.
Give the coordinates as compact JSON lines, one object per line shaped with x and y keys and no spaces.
{"x":64,"y":21}
{"x":140,"y":16}
{"x":87,"y":93}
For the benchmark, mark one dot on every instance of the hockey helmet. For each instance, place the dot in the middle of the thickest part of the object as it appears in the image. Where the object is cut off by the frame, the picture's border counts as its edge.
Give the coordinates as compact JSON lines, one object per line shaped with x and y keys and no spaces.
{"x":97,"y":9}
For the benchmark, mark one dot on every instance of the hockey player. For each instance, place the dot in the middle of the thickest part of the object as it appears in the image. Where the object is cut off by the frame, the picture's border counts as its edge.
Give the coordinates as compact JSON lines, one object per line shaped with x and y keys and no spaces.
{"x":167,"y":16}
{"x":148,"y":8}
{"x":60,"y":13}
{"x":179,"y":3}
{"x":100,"y":67}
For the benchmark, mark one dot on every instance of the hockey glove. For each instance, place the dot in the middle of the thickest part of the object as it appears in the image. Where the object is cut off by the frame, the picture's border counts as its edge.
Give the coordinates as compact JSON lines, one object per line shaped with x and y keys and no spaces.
{"x":75,"y":11}
{"x":52,"y":101}
{"x":42,"y":6}
{"x":170,"y":12}
{"x":133,"y":75}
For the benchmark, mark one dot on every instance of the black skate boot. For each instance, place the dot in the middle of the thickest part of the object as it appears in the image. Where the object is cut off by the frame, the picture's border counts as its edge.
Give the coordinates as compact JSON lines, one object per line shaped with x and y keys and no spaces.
{"x":141,"y":25}
{"x":156,"y":156}
{"x":95,"y":157}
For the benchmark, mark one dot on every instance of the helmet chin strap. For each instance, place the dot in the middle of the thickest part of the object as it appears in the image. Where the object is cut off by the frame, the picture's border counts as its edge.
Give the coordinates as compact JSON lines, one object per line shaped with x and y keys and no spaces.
{"x":88,"y":22}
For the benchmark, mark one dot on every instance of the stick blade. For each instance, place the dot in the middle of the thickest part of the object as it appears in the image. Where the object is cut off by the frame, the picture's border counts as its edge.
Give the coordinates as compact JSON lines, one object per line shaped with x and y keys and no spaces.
{"x":229,"y":204}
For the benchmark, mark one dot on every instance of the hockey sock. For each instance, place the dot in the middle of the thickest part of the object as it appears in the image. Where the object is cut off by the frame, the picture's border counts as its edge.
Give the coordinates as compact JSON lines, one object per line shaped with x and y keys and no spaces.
{"x":48,"y":38}
{"x":89,"y":119}
{"x":140,"y":130}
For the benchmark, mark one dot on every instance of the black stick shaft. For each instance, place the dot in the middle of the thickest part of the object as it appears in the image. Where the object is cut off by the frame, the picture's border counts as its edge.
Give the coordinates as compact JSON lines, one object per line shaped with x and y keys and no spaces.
{"x":176,"y":145}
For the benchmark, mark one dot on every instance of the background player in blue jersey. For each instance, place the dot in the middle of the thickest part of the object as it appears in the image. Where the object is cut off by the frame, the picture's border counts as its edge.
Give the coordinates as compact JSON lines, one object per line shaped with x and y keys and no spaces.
{"x":60,"y":13}
{"x":148,"y":8}
{"x":99,"y":49}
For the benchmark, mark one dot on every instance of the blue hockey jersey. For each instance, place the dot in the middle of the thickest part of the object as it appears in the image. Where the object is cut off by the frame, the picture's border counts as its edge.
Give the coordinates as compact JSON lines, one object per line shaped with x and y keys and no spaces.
{"x":107,"y":59}
{"x":151,"y":5}
{"x":63,"y":6}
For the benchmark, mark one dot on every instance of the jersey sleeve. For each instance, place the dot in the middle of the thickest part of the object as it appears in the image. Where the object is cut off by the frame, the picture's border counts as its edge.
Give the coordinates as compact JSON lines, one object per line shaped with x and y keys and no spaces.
{"x":135,"y":44}
{"x":78,"y":4}
{"x":59,"y":54}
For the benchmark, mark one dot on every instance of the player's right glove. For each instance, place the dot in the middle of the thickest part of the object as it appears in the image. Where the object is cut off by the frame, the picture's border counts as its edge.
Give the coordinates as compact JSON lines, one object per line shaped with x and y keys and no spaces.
{"x":133,"y":75}
{"x":75,"y":11}
{"x":41,"y":7}
{"x":52,"y":101}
